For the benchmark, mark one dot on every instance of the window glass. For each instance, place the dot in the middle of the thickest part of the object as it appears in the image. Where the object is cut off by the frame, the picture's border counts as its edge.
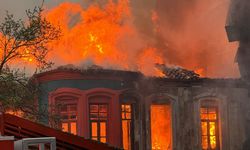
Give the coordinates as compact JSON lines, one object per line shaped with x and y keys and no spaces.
{"x":209,"y":126}
{"x":98,"y":114}
{"x":65,"y":127}
{"x":73,"y":128}
{"x":68,"y":116}
{"x":126,"y":126}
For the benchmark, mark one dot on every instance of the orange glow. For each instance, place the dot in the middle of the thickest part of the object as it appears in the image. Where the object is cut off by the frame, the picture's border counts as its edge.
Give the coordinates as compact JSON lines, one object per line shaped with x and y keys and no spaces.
{"x":26,"y":56}
{"x":212,"y":135}
{"x":125,"y":134}
{"x":126,"y":126}
{"x":150,"y":55}
{"x":201,"y":72}
{"x":95,"y":36}
{"x":103,"y":132}
{"x":108,"y":35}
{"x":103,"y":128}
{"x":65,"y":127}
{"x":161,"y":133}
{"x":94,"y":129}
{"x":18,"y":113}
{"x":73,"y":128}
{"x":102,"y":35}
{"x":208,"y":128}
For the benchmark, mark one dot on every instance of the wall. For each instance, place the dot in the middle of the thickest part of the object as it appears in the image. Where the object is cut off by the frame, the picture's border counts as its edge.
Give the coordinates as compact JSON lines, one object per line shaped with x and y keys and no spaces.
{"x":185,"y":98}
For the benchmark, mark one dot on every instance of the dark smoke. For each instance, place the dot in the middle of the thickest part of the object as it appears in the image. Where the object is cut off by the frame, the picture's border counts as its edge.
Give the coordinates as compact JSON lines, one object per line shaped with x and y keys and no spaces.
{"x":190,"y":34}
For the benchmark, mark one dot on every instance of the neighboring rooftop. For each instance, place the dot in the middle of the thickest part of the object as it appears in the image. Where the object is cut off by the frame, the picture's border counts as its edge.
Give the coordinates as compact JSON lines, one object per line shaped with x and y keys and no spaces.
{"x":11,"y":125}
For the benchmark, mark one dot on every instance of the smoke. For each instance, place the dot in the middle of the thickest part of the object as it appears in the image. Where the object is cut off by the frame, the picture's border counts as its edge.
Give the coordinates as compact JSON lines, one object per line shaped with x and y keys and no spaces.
{"x":175,"y":32}
{"x":191,"y":34}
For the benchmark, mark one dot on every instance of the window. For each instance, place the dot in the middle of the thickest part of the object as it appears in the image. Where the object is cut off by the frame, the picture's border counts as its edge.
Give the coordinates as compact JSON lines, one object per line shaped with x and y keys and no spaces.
{"x":68,"y":117}
{"x":126,"y":114}
{"x":98,"y":122}
{"x":161,"y":128}
{"x":209,"y":126}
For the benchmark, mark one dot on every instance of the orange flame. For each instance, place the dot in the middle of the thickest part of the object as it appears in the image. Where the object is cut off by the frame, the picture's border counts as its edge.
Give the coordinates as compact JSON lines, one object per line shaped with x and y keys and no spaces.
{"x":201,"y":72}
{"x":100,"y":35}
{"x":161,"y":136}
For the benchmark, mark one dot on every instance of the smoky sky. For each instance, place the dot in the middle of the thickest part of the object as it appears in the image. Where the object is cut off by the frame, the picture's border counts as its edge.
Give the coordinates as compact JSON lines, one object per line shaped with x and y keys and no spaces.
{"x":190,"y":31}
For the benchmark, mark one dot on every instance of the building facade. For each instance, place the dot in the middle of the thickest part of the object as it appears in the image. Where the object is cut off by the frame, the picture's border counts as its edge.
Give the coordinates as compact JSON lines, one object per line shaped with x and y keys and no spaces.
{"x":129,"y":110}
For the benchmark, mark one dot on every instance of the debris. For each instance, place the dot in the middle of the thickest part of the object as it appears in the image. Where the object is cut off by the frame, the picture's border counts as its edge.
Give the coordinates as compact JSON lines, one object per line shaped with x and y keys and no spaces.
{"x":177,"y":72}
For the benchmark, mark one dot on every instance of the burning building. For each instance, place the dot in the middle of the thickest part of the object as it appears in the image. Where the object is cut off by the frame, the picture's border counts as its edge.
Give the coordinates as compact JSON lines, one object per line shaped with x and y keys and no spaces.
{"x":170,"y":109}
{"x":135,"y":112}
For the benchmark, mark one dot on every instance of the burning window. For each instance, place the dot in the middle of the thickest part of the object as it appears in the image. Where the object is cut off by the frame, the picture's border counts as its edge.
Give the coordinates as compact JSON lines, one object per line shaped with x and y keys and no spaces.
{"x":127,"y":126}
{"x":161,"y":132}
{"x":98,"y":122}
{"x":68,"y":114}
{"x":209,"y":126}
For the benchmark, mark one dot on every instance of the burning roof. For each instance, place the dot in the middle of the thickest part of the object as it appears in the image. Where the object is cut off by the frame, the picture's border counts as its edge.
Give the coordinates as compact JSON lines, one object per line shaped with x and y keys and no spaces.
{"x":177,"y":72}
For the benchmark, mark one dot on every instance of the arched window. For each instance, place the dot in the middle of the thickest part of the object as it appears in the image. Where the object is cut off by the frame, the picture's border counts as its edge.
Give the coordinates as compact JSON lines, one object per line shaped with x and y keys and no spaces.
{"x":98,"y":121}
{"x":161,"y":126}
{"x":67,"y":109}
{"x":64,"y":102}
{"x":129,"y":108}
{"x":99,"y":117}
{"x":209,"y":125}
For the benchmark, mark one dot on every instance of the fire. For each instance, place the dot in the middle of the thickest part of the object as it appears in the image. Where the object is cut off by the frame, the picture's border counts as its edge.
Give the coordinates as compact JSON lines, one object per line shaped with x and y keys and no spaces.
{"x":95,"y":43}
{"x":107,"y":35}
{"x":201,"y":72}
{"x":147,"y":60}
{"x":161,"y":127}
{"x":112,"y":35}
{"x":26,"y":56}
{"x":208,"y":128}
{"x":100,"y":35}
{"x":18,"y":113}
{"x":95,"y":36}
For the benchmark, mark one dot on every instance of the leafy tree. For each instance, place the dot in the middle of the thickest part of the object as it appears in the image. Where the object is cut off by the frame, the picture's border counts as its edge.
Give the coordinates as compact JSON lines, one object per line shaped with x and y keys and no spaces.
{"x":22,"y":39}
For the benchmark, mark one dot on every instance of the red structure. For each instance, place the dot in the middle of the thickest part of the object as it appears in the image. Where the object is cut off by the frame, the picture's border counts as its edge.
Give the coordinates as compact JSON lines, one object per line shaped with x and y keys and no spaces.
{"x":82,"y":99}
{"x":135,"y":112}
{"x":21,"y":128}
{"x":88,"y":101}
{"x":7,"y":143}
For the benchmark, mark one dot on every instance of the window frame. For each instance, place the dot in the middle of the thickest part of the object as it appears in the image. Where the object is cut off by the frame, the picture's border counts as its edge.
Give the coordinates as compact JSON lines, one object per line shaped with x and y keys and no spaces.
{"x":132,"y":117}
{"x":66,"y":102}
{"x":210,"y":104}
{"x":98,"y":122}
{"x":162,"y":101}
{"x":68,"y":120}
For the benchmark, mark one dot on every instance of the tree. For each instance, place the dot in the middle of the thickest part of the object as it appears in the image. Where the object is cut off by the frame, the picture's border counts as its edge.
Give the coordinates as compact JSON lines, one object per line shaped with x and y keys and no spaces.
{"x":22,"y":39}
{"x":26,"y":39}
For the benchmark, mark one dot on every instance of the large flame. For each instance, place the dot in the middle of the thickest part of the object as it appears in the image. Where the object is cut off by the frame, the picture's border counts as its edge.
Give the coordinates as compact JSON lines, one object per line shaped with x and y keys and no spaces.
{"x":101,"y":35}
{"x":109,"y":35}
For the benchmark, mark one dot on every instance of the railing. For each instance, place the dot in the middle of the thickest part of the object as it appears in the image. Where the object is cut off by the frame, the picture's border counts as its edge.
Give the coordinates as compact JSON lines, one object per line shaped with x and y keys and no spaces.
{"x":21,"y":128}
